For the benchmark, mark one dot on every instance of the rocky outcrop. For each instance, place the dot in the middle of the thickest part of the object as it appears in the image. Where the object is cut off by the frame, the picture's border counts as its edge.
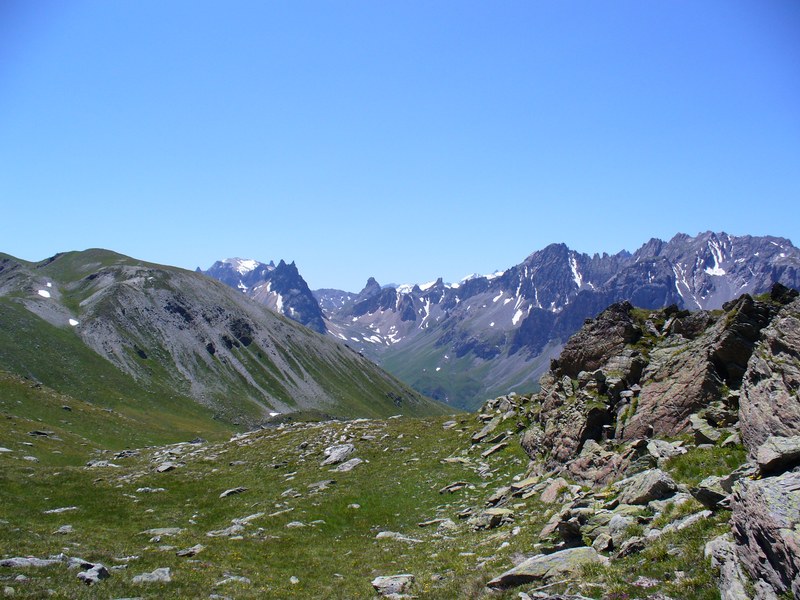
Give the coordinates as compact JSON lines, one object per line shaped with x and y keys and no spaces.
{"x":769,"y":402}
{"x":599,"y":340}
{"x":632,"y":374}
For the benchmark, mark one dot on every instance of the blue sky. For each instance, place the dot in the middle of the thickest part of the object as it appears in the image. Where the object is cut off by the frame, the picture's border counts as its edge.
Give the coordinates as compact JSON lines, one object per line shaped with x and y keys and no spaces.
{"x":401,"y":140}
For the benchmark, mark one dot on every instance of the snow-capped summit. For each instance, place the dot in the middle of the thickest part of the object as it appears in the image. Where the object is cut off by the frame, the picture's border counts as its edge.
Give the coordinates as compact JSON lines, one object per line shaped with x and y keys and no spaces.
{"x":280,"y":287}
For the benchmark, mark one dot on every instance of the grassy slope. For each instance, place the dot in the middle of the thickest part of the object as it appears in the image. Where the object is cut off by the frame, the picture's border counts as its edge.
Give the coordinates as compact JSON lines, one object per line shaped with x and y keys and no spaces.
{"x":335,"y":554}
{"x":31,"y":347}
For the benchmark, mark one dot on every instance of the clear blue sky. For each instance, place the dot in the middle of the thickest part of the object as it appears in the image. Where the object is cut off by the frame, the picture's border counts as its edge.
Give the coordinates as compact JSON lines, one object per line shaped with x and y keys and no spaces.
{"x":403,"y":140}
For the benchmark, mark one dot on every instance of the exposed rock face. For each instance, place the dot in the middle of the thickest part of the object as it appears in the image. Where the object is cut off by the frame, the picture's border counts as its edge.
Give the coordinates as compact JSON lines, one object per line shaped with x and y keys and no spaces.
{"x":766,"y":527}
{"x":682,"y":379}
{"x":769,"y":402}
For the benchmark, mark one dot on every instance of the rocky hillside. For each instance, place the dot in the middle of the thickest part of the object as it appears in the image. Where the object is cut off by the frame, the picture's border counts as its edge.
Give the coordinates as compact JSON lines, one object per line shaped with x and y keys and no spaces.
{"x":116,"y":330}
{"x":486,"y":335}
{"x":659,"y":461}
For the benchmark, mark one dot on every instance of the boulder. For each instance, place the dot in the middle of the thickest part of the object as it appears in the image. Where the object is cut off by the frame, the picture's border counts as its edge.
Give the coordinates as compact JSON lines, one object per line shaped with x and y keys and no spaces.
{"x":778,"y":454}
{"x":765,"y":523}
{"x":387,"y":585}
{"x":337,"y":454}
{"x":93,"y":573}
{"x":643,"y":487}
{"x":565,"y":564}
{"x":768,"y":404}
{"x":710,"y":492}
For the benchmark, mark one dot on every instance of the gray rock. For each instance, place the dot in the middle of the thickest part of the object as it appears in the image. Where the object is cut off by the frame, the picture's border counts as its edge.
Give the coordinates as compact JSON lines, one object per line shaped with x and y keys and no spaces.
{"x":722,"y":552}
{"x":618,"y":527}
{"x":386,"y":585}
{"x":58,"y":511}
{"x":319,"y":486}
{"x":348,"y":465}
{"x":231,"y":531}
{"x":393,"y":535}
{"x":28,"y":561}
{"x":765,"y":522}
{"x":163,"y":531}
{"x":161,"y":575}
{"x":233,"y":491}
{"x":703,"y":432}
{"x":564,"y":564}
{"x":709,"y":492}
{"x":778,"y":454}
{"x":491,"y":518}
{"x":643,"y":487}
{"x":233,"y":579}
{"x":196,"y":549}
{"x":94,"y":574}
{"x":337,"y":454}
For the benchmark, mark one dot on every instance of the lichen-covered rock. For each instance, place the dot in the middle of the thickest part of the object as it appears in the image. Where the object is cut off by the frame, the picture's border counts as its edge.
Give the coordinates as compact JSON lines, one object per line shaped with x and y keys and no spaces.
{"x":387,"y":585}
{"x":769,"y":403}
{"x":646,"y":486}
{"x":766,"y":526}
{"x":564,"y":564}
{"x":778,"y":454}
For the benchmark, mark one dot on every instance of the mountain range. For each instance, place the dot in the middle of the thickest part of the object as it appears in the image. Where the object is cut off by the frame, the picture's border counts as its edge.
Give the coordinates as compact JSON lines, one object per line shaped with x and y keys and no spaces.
{"x":485,"y":335}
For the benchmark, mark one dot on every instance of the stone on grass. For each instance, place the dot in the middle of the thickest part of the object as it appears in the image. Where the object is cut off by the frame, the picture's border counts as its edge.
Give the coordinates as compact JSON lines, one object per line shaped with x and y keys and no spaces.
{"x":564,"y":564}
{"x":196,"y":549}
{"x":93,"y":574}
{"x":233,"y":492}
{"x":161,"y":575}
{"x":28,"y":561}
{"x":163,"y":531}
{"x":552,"y":491}
{"x":387,"y":585}
{"x":393,"y":535}
{"x":348,"y":465}
{"x":337,"y":454}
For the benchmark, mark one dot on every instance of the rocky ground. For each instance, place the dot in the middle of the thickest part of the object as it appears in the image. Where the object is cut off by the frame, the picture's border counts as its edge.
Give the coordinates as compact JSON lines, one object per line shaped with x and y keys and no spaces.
{"x":659,"y":460}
